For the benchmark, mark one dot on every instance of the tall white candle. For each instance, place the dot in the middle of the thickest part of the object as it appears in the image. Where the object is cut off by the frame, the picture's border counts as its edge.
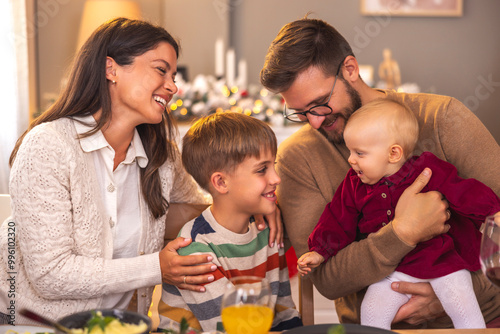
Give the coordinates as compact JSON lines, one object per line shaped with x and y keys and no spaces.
{"x":230,"y":67}
{"x":219,"y":57}
{"x":242,"y":74}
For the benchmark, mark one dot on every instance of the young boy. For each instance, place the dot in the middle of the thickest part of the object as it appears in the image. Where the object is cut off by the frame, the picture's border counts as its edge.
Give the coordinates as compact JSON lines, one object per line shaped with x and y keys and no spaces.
{"x":232,"y":157}
{"x":381,"y":137}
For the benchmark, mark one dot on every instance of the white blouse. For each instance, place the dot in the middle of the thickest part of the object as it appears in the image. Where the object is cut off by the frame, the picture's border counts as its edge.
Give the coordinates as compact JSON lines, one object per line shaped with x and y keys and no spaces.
{"x":120,"y":189}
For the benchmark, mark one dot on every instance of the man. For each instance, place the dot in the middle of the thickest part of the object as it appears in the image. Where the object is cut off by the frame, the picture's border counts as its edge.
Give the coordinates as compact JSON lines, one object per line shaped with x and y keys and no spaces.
{"x":314,"y":69}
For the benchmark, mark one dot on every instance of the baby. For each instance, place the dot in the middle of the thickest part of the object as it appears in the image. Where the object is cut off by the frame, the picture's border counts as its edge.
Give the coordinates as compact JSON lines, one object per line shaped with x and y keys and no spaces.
{"x":381,"y":137}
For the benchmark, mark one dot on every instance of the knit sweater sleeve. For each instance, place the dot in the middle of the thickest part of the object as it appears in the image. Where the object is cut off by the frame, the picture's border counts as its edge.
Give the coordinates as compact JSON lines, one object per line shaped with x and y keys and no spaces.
{"x":468,"y":145}
{"x":60,"y":228}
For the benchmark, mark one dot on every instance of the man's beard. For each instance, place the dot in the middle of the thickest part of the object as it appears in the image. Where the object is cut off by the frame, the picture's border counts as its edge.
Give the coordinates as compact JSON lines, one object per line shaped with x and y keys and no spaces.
{"x":337,"y":137}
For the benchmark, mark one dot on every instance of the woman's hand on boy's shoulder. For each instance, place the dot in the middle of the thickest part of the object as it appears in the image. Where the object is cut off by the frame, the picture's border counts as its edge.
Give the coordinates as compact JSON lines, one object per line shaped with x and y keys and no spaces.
{"x":188,"y":271}
{"x":275,"y":227}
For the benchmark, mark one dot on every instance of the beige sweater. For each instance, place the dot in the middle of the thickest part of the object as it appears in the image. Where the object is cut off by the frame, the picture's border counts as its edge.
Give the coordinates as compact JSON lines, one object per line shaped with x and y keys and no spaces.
{"x":63,"y":258}
{"x":311,"y":169}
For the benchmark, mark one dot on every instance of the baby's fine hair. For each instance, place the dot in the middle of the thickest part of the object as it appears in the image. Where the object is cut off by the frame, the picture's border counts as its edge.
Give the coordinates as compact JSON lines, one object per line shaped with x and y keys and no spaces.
{"x":399,"y":120}
{"x":221,"y":141}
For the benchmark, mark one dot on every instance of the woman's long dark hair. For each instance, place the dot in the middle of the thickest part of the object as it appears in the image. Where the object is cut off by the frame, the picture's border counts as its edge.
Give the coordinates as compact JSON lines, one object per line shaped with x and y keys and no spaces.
{"x":87,"y":92}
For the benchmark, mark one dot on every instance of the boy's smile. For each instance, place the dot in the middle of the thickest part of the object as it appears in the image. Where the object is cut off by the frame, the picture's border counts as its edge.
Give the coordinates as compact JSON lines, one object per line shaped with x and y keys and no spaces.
{"x":270,"y":195}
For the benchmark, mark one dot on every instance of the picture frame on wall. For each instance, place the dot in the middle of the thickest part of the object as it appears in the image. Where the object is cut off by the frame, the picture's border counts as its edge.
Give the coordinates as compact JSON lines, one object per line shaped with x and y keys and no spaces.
{"x":450,"y":8}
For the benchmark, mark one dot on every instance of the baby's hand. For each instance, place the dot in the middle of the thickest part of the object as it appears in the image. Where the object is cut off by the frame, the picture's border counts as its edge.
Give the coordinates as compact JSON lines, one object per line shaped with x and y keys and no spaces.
{"x":308,"y":261}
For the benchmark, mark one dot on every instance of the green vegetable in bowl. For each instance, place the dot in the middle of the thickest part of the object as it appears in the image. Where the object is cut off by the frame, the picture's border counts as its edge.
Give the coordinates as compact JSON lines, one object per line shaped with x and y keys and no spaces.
{"x":336,"y":329}
{"x":98,"y":320}
{"x":99,"y":324}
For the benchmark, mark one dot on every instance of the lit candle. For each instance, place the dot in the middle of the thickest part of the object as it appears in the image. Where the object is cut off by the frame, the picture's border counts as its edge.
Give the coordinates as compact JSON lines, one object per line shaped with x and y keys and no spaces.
{"x":242,"y":74}
{"x":230,"y":67}
{"x":219,"y":58}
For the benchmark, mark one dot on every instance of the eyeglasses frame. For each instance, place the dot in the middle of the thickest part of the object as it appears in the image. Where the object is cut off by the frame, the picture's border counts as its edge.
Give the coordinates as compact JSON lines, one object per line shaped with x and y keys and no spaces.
{"x":310,"y":110}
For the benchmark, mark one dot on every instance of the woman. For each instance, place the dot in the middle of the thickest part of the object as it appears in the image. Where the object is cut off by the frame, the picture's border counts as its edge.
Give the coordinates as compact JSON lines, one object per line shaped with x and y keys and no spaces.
{"x":91,"y":183}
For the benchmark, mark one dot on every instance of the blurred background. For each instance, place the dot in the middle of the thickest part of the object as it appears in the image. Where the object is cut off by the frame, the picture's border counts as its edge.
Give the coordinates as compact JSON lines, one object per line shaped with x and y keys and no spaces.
{"x":455,"y":55}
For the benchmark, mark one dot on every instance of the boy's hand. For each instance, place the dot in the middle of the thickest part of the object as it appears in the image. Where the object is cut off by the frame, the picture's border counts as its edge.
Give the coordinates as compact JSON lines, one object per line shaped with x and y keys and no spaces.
{"x":275,"y":227}
{"x":188,"y":271}
{"x":308,"y":261}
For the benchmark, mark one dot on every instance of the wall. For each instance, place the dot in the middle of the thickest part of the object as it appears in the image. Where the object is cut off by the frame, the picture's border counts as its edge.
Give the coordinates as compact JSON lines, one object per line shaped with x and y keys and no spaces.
{"x":58,"y":23}
{"x":450,"y":56}
{"x":197,"y":24}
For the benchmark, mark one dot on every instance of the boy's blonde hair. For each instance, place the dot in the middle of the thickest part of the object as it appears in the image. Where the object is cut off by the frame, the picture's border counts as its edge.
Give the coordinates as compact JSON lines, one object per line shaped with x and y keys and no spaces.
{"x":400,"y":121}
{"x":221,"y":141}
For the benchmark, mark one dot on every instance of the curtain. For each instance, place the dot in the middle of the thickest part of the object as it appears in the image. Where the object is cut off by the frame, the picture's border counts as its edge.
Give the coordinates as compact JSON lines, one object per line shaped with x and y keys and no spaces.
{"x":14,"y":81}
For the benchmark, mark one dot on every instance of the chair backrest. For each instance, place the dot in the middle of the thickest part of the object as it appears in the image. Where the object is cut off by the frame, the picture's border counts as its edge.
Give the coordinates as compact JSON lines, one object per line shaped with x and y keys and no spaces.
{"x":178,"y":215}
{"x":4,"y":207}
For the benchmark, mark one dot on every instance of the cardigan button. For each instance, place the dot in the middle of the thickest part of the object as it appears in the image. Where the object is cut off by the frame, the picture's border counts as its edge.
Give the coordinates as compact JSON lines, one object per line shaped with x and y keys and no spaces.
{"x":144,"y":295}
{"x":384,"y":195}
{"x":111,"y":188}
{"x":384,"y":223}
{"x":389,"y":212}
{"x":111,"y":222}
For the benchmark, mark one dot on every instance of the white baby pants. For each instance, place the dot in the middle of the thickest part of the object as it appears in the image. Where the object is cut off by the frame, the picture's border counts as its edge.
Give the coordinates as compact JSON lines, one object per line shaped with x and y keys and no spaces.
{"x":454,"y":291}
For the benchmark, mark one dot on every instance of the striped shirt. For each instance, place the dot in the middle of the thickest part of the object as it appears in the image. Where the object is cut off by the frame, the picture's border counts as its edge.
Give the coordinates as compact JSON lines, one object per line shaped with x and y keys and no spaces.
{"x":234,"y":255}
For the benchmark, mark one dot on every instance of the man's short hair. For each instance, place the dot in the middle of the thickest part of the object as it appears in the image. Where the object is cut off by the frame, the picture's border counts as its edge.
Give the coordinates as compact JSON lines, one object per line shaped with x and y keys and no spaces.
{"x":299,"y":45}
{"x":221,"y":141}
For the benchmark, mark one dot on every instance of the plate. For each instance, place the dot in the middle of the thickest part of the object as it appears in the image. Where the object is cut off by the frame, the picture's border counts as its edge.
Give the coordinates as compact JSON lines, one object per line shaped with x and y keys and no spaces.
{"x":349,"y":329}
{"x":30,"y":329}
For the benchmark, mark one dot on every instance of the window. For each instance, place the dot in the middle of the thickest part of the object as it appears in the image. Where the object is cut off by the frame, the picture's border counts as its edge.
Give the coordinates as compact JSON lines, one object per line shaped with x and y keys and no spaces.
{"x":13,"y":81}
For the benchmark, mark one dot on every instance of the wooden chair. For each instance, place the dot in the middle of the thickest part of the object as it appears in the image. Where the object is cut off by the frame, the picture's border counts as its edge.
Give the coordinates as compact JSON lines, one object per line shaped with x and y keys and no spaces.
{"x":178,"y":215}
{"x":306,"y":300}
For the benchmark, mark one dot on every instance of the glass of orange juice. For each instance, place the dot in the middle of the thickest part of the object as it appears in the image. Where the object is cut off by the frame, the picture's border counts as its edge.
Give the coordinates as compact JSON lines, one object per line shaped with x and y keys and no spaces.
{"x":246,"y":306}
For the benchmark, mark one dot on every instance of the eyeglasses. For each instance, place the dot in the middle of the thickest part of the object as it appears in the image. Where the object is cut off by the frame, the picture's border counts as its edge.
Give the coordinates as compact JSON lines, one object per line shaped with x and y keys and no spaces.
{"x":318,"y":110}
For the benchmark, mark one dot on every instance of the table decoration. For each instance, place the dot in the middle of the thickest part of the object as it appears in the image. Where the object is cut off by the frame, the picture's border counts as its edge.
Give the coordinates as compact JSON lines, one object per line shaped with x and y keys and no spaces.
{"x":206,"y":94}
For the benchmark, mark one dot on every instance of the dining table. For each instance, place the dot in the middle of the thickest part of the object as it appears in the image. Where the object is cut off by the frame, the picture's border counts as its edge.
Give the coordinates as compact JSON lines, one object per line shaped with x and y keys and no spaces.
{"x":448,"y":331}
{"x":439,"y":331}
{"x":3,"y":329}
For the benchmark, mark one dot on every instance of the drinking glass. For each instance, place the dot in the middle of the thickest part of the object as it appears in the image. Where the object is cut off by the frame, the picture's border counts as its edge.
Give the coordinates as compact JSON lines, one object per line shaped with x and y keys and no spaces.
{"x":490,"y":249}
{"x":246,"y":306}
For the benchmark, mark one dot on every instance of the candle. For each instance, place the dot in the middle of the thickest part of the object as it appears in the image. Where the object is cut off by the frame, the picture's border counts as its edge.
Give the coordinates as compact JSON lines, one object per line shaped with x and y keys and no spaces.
{"x":230,"y":67}
{"x":219,"y":58}
{"x":242,"y":74}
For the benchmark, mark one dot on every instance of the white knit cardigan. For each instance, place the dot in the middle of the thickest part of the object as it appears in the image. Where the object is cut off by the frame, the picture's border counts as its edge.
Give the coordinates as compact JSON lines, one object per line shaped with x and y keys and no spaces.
{"x":63,"y":255}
